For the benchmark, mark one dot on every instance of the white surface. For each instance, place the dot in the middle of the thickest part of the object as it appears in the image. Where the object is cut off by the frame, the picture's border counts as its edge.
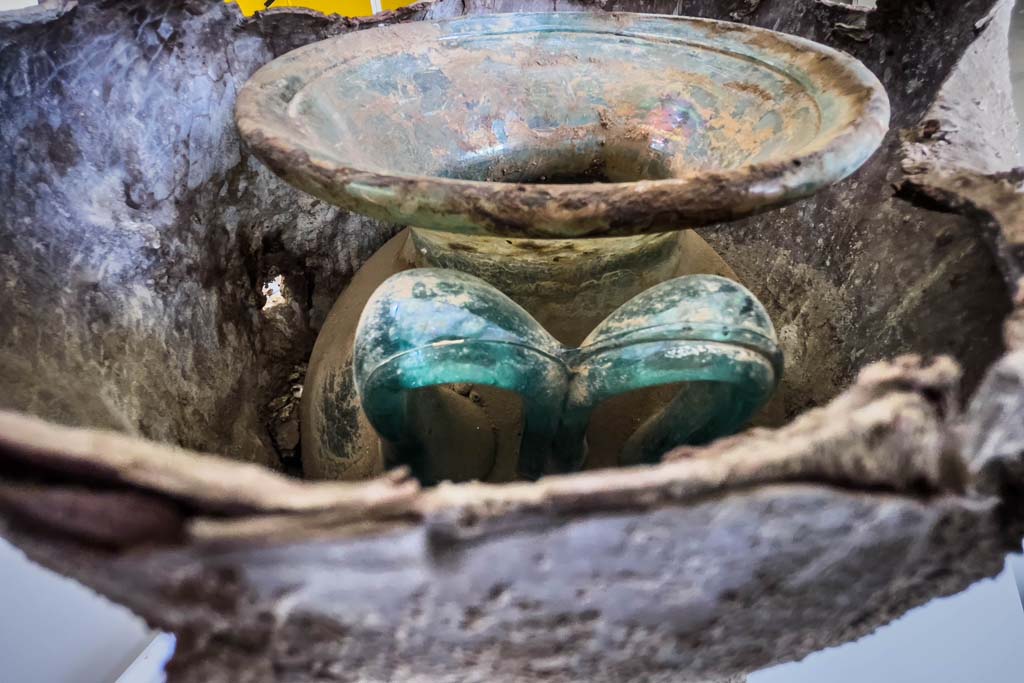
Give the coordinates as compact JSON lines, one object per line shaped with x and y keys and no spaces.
{"x":16,"y":4}
{"x":53,"y":630}
{"x":1017,"y":563}
{"x":149,"y":666}
{"x":974,"y":637}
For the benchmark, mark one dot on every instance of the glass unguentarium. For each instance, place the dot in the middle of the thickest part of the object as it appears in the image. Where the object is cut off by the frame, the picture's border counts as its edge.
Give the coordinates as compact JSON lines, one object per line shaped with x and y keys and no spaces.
{"x":551,"y":308}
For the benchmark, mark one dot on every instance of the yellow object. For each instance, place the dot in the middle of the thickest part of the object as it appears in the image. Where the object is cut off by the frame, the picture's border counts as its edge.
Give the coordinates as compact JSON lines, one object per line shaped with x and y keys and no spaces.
{"x":347,"y":8}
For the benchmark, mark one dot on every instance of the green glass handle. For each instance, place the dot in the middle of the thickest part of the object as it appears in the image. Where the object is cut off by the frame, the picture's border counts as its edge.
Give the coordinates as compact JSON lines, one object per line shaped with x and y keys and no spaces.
{"x":430,"y":326}
{"x":704,"y":331}
{"x":427,"y":327}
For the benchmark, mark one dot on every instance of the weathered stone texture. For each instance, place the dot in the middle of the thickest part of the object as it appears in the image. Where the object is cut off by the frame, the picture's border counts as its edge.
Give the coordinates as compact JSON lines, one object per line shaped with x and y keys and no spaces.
{"x":135,"y":234}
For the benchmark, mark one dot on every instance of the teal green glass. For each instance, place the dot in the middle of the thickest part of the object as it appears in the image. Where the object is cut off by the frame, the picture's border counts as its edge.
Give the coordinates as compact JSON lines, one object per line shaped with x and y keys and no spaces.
{"x":514,"y":137}
{"x":427,"y":327}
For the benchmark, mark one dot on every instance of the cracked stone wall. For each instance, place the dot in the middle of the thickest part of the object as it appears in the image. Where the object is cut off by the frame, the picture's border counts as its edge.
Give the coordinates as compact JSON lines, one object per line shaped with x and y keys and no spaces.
{"x":138,"y":232}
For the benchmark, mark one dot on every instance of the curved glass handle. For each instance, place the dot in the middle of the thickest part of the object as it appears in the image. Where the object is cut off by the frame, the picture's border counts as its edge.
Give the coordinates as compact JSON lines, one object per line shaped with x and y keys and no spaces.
{"x":703,"y":331}
{"x":724,"y":385}
{"x":429,"y":327}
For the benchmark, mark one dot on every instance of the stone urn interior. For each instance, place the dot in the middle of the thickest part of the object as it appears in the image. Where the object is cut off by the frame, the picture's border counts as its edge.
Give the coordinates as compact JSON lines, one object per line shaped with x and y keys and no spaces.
{"x":448,"y":344}
{"x":559,"y":159}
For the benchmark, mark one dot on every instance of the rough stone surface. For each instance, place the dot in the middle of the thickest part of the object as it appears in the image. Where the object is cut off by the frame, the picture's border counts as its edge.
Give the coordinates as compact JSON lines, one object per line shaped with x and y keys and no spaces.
{"x":133,"y":254}
{"x":994,"y":430}
{"x":763,"y":548}
{"x":961,"y":157}
{"x":724,"y":586}
{"x":148,"y":242}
